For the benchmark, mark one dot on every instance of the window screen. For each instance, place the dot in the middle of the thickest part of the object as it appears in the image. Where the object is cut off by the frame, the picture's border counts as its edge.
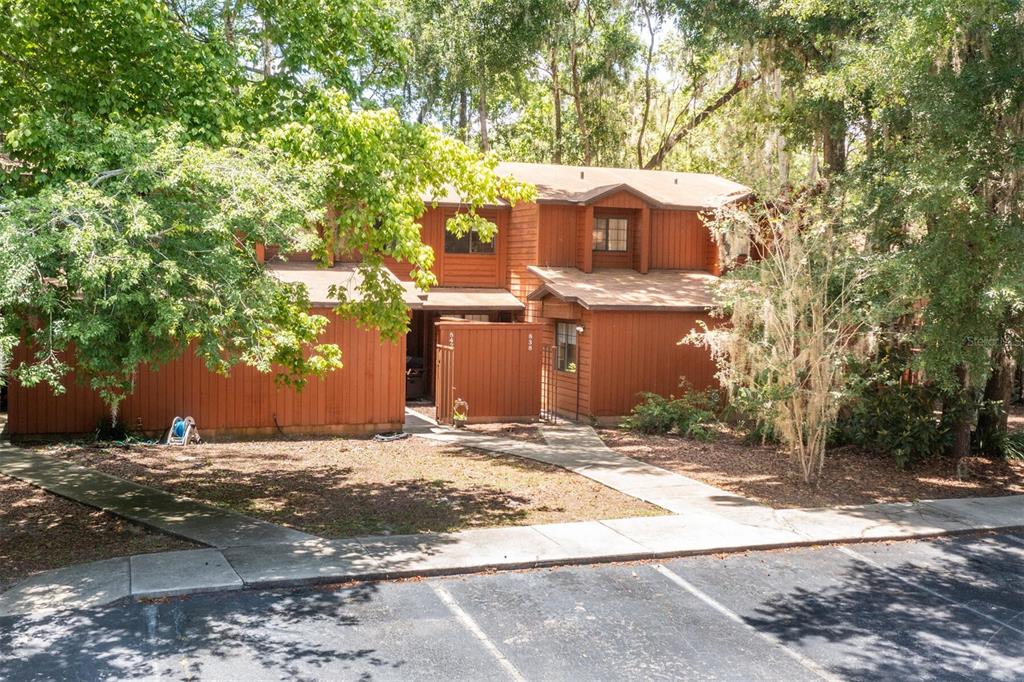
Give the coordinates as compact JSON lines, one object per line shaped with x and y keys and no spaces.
{"x":565,"y":346}
{"x":610,"y":234}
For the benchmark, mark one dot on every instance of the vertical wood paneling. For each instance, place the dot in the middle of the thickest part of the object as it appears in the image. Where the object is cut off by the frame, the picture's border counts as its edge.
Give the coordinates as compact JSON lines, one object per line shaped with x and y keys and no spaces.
{"x":522,"y":252}
{"x":557,"y":236}
{"x":368,"y":390}
{"x":637,"y":351}
{"x":496,"y":369}
{"x":679,"y":241}
{"x":480,"y":270}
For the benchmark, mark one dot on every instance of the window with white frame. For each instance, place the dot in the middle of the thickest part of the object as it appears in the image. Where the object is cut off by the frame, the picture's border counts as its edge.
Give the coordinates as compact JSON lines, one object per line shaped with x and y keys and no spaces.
{"x":565,"y":346}
{"x":610,"y":233}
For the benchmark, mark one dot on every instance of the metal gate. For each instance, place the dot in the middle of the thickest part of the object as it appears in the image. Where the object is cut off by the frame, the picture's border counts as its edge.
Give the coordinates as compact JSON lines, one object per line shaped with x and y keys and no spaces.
{"x":444,"y":383}
{"x":548,"y":386}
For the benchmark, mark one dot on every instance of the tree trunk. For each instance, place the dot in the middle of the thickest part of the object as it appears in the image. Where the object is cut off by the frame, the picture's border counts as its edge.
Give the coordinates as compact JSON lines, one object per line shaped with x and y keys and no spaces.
{"x":581,"y":121}
{"x":647,"y":87}
{"x":556,"y":102}
{"x":463,"y":115}
{"x":833,"y":147}
{"x":485,"y":143}
{"x":994,"y":419}
{"x":963,"y":416}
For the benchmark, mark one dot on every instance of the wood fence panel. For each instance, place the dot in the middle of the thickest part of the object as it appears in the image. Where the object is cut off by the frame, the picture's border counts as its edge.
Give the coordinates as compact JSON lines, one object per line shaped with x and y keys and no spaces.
{"x":495,"y":367}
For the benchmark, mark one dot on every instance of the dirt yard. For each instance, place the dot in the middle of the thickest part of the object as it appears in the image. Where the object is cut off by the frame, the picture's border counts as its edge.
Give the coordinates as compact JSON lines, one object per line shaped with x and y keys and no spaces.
{"x":850,"y":477}
{"x":39,"y":531}
{"x":340,"y":487}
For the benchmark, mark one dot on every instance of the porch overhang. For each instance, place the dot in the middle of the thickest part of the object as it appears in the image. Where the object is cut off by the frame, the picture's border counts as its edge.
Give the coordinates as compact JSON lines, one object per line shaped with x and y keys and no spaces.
{"x":319,"y":280}
{"x":658,"y":290}
{"x":460,"y":299}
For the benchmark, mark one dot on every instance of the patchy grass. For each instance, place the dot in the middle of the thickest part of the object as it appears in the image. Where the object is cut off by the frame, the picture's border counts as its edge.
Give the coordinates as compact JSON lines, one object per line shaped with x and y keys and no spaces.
{"x":340,"y":487}
{"x":40,"y":531}
{"x":767,"y":475}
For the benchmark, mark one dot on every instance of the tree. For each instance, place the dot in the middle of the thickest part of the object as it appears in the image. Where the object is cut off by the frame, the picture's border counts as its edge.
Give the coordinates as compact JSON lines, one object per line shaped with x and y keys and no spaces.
{"x":938,"y":189}
{"x":150,"y":157}
{"x":467,"y":52}
{"x":794,"y":323}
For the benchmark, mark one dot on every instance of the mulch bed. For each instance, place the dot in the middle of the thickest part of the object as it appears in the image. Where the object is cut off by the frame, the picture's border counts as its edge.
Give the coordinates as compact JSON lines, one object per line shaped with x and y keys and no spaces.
{"x":40,"y":531}
{"x":850,"y":476}
{"x":341,"y":487}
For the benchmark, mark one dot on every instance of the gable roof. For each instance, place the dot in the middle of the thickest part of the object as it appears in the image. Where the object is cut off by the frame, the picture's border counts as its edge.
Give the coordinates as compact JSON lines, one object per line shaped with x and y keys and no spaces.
{"x":587,"y":184}
{"x":661,"y":189}
{"x":688,"y":290}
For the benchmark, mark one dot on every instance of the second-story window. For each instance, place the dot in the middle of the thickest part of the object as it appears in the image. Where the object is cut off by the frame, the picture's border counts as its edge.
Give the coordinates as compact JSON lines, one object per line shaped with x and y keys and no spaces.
{"x":610,"y":234}
{"x":467,"y":243}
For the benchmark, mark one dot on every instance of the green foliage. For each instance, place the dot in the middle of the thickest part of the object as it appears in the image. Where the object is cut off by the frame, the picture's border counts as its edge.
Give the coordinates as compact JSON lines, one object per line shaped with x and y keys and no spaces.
{"x":746,"y":410}
{"x":156,"y":145}
{"x":689,"y":415}
{"x":1012,"y":446}
{"x":896,"y":420}
{"x":139,"y":262}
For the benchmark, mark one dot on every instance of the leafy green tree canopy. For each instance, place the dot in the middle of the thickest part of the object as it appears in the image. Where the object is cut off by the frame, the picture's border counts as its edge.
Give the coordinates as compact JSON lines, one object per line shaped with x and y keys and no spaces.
{"x":150,"y":147}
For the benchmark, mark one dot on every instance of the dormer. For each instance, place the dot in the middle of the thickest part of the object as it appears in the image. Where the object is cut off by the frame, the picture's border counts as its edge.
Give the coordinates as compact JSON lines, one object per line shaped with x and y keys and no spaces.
{"x":613,"y":218}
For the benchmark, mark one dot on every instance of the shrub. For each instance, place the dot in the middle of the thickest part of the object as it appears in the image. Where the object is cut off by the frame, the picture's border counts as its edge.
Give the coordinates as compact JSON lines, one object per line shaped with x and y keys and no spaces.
{"x":1012,"y":445}
{"x":746,"y":410}
{"x":894,"y":419}
{"x":688,"y":415}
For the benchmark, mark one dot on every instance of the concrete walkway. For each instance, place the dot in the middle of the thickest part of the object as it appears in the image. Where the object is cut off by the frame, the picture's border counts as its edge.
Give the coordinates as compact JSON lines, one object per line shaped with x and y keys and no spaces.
{"x":580,"y":450}
{"x":148,"y":506}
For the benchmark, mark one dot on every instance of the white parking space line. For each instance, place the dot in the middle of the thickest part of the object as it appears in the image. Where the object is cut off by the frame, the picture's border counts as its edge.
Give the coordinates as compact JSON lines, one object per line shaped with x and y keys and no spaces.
{"x":860,"y":557}
{"x":471,"y":625}
{"x":734,"y":617}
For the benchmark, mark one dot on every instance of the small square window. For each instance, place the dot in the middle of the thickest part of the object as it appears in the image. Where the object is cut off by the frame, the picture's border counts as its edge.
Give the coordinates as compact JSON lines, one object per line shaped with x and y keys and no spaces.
{"x":610,"y":233}
{"x":565,"y":346}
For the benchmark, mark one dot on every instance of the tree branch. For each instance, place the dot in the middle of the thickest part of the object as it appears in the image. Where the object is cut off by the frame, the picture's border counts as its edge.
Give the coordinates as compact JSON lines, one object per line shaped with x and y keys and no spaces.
{"x":675,"y":137}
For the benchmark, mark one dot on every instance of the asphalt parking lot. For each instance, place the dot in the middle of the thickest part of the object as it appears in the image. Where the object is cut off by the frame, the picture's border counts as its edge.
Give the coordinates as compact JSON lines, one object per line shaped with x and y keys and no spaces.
{"x":939,"y":609}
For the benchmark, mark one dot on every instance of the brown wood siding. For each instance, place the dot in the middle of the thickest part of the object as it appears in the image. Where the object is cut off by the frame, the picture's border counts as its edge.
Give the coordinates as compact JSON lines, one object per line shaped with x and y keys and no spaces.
{"x":566,"y":382}
{"x":367,"y":394}
{"x":585,"y":239}
{"x":620,"y":200}
{"x":639,"y":351}
{"x":496,"y":367}
{"x":679,"y":240}
{"x":460,"y":269}
{"x":471,"y":270}
{"x":557,"y":244}
{"x":522,"y":252}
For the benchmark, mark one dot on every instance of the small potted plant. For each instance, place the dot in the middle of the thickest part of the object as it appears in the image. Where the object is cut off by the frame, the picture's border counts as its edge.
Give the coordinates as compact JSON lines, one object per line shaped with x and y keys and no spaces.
{"x":460,"y":413}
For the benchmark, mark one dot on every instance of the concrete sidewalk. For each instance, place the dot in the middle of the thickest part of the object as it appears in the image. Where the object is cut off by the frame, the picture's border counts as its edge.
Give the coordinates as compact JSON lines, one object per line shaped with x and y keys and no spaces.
{"x":580,"y":450}
{"x":388,"y":557}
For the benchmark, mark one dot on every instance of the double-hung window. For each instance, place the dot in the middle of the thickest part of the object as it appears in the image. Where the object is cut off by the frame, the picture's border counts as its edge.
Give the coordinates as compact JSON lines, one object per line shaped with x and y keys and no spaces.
{"x":610,"y":233}
{"x":565,"y":346}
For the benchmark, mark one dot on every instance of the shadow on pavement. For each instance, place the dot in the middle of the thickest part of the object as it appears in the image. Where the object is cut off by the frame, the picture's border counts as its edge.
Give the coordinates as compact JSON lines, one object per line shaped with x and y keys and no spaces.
{"x":945,"y":609}
{"x":202,"y":638}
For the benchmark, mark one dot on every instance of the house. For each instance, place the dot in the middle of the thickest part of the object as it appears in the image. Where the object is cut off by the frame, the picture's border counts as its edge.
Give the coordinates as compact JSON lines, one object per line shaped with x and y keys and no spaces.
{"x":574,"y":308}
{"x":613,"y":265}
